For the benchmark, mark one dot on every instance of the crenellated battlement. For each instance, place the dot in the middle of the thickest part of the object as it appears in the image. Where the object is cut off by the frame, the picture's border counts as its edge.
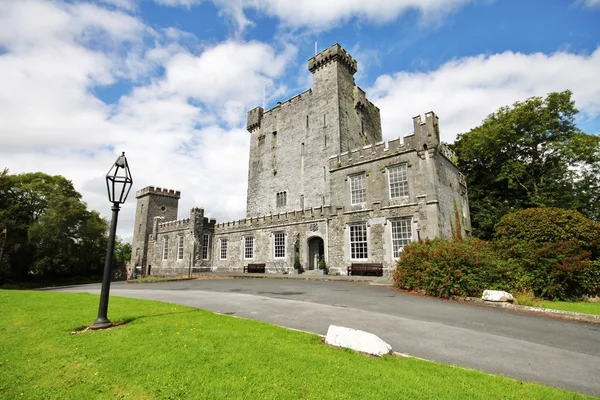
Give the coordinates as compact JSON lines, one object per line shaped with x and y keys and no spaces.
{"x":369,"y":153}
{"x":296,"y":216}
{"x":334,"y":53}
{"x":447,"y":152}
{"x":158,"y":191}
{"x":289,"y":102}
{"x":169,"y":226}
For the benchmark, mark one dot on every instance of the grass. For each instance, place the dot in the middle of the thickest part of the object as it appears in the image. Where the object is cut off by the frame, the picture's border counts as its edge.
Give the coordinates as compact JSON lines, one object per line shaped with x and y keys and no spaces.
{"x":171,"y":351}
{"x":585,"y":307}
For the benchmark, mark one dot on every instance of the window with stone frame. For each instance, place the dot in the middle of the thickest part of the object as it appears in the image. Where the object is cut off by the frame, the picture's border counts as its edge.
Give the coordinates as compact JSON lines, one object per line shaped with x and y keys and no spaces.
{"x":205,"y":246}
{"x":401,"y":235}
{"x":180,"y":247}
{"x":281,"y":199}
{"x":248,"y":247}
{"x":358,"y":242}
{"x":358,"y":192}
{"x":398,"y":181}
{"x":165,"y":248}
{"x":223,"y":252}
{"x":279,"y":244}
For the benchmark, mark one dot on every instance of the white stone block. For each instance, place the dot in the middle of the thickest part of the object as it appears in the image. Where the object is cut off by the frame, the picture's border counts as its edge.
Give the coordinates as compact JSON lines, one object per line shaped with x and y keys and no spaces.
{"x":354,"y":339}
{"x":498,"y":296}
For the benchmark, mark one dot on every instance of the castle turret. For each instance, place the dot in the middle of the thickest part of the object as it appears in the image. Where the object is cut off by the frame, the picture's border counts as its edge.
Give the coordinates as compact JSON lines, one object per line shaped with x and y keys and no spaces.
{"x":152,"y":202}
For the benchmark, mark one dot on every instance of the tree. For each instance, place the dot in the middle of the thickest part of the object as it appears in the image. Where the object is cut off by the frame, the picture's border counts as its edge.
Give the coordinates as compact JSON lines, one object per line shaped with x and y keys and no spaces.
{"x":122,"y":251}
{"x":529,"y":155}
{"x":51,"y":232}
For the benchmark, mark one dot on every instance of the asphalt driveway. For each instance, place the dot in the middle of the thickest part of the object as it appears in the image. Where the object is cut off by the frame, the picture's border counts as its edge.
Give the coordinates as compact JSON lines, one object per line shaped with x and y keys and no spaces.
{"x":554,"y":352}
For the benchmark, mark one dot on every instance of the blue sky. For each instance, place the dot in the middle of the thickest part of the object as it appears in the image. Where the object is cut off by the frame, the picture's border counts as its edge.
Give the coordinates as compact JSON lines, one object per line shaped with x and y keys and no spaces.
{"x":170,"y":81}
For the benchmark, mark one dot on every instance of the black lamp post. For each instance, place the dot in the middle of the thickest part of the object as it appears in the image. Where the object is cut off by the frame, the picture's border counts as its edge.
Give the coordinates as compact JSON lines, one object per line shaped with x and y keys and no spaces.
{"x":118,"y":184}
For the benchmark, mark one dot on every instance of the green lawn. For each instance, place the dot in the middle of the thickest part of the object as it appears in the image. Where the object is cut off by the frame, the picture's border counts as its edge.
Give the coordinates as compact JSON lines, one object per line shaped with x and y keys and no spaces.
{"x":574,"y":306}
{"x":170,"y":351}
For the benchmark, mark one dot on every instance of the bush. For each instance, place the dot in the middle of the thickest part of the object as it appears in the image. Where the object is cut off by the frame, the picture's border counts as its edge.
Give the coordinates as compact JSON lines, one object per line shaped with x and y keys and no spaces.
{"x":446,"y":269}
{"x":550,"y":225}
{"x":589,"y":279}
{"x":552,"y":270}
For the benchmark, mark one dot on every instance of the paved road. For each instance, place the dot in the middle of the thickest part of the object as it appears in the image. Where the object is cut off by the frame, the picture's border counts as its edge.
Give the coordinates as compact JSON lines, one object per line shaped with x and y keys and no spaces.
{"x":554,"y":352}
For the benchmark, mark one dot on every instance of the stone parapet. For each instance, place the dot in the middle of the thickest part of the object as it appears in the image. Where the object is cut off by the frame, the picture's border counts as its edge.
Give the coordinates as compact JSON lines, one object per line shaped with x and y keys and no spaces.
{"x":280,"y":218}
{"x":334,"y":53}
{"x":169,"y":226}
{"x":158,"y":191}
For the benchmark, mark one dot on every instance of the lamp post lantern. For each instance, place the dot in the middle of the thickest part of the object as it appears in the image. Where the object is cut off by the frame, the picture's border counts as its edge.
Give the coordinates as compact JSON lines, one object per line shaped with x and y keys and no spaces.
{"x":118,"y":185}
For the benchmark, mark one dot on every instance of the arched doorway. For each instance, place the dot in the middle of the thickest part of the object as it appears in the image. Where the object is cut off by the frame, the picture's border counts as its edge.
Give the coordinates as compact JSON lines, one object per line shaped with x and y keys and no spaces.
{"x":316,"y":250}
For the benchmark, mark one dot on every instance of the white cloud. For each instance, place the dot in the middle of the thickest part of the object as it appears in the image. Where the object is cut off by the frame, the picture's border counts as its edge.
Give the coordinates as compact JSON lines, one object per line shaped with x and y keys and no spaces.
{"x":179,"y":3}
{"x":56,"y":54}
{"x":590,"y":3}
{"x":128,"y":5}
{"x":323,"y":15}
{"x":463,"y":92}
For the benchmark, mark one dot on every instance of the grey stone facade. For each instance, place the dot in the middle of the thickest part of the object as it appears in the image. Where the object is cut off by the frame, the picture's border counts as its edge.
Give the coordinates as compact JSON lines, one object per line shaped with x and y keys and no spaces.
{"x":321,"y":183}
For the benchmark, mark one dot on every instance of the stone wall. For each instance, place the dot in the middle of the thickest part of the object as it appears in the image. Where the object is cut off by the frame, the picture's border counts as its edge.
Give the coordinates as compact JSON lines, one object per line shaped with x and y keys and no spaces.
{"x":152,"y":202}
{"x":290,"y":144}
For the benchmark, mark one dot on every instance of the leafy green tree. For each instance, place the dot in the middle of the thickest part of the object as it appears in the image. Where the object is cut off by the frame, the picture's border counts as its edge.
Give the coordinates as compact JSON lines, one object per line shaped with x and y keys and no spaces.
{"x":50,"y":231}
{"x":122,"y":251}
{"x":529,"y":155}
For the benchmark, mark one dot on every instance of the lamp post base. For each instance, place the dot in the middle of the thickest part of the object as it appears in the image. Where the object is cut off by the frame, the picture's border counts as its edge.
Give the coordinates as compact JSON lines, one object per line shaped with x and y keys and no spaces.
{"x":101,"y":323}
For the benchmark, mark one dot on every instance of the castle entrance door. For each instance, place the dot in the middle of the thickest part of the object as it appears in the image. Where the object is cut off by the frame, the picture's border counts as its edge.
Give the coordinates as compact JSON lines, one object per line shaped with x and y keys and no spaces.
{"x":316,"y":250}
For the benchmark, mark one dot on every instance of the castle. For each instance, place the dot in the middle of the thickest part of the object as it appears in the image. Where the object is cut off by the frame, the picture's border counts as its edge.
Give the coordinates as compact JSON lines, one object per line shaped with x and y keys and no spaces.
{"x":321,"y":185}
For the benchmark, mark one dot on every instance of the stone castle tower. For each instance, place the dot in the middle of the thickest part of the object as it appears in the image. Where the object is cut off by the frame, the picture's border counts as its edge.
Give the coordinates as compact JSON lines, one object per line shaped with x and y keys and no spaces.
{"x":152,"y":203}
{"x":291,"y":143}
{"x":322,"y":185}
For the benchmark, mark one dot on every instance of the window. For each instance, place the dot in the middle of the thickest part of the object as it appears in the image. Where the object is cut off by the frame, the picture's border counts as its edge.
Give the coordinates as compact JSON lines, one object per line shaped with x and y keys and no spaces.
{"x":281,"y":199}
{"x":139,"y":228}
{"x":279,"y":245}
{"x":248,"y":248}
{"x":307,"y":121}
{"x":401,"y":235}
{"x":223,"y":254}
{"x":205,"y":246}
{"x":362,"y":126}
{"x":358,"y":242}
{"x":357,"y":189}
{"x":165,"y":248}
{"x":324,"y":119}
{"x":398,"y":180}
{"x":180,"y":247}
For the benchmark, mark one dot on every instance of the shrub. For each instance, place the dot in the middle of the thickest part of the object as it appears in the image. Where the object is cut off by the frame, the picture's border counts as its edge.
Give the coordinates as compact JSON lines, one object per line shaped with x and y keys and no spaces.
{"x":323,"y":266}
{"x":551,"y":270}
{"x":550,"y":225}
{"x":447,"y":269}
{"x":589,"y":279}
{"x":527,"y":298}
